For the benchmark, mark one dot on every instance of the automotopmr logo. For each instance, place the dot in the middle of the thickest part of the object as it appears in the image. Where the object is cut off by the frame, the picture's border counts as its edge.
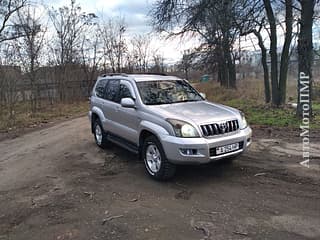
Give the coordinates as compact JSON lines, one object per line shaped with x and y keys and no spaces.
{"x":304,"y":81}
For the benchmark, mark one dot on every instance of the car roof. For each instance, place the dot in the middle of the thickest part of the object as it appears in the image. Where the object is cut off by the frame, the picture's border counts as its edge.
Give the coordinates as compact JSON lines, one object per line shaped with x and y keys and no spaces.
{"x":142,"y":77}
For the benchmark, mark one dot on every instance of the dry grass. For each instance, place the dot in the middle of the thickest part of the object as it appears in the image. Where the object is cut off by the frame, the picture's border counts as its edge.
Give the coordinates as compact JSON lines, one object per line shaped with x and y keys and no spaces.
{"x":249,"y":98}
{"x":252,"y":89}
{"x":23,"y":118}
{"x":249,"y":89}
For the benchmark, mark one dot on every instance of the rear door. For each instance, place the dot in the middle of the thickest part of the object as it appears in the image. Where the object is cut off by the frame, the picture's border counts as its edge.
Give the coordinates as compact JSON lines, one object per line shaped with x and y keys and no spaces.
{"x":97,"y":98}
{"x":111,"y":105}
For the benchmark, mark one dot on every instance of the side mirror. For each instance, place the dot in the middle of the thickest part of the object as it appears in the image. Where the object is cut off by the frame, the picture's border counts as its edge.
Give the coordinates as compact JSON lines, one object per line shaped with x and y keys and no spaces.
{"x":203,"y":95}
{"x":127,"y":103}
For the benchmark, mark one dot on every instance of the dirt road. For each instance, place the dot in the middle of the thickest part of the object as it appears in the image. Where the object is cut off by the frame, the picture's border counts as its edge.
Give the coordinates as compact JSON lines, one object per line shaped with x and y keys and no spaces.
{"x":56,"y":184}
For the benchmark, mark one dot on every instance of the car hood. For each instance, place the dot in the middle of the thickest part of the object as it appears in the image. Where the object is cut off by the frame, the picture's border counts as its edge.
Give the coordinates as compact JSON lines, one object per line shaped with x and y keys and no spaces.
{"x":201,"y":112}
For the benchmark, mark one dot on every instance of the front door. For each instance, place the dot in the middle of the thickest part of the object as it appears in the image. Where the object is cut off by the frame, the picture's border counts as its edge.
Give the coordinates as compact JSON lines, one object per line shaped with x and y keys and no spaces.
{"x":127,"y":121}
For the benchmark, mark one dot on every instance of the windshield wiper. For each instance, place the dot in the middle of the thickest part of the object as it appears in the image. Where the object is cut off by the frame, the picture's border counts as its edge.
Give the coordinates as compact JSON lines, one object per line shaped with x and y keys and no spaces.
{"x":158,"y":103}
{"x":189,"y":100}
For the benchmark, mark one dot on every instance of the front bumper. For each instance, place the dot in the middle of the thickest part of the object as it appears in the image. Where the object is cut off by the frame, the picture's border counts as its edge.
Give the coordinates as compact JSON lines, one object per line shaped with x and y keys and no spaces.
{"x":172,"y":147}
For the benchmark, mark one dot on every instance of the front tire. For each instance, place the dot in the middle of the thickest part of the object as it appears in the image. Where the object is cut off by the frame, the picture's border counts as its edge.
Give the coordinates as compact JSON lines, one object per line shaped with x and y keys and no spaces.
{"x":99,"y":134}
{"x":156,"y":163}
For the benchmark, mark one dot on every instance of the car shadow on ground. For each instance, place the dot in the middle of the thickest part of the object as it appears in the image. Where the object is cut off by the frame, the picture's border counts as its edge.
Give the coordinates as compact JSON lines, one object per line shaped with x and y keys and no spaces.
{"x":131,"y":163}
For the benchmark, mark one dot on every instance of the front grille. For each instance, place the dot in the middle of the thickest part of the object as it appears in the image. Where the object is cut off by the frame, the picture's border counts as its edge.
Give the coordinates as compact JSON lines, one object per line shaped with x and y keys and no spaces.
{"x":219,"y":128}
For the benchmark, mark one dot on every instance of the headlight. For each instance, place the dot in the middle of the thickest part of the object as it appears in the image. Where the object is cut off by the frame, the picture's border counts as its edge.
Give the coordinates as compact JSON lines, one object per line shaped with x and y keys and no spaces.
{"x":244,"y":121}
{"x":183,"y":129}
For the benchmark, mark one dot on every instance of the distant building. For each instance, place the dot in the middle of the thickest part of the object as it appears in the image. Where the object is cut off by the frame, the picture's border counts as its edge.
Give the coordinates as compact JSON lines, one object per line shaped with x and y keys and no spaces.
{"x":251,"y":58}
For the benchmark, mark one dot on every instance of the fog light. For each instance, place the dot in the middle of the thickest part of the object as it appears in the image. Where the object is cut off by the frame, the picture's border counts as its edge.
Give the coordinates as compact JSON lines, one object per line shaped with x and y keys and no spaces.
{"x":189,"y":151}
{"x":249,"y":139}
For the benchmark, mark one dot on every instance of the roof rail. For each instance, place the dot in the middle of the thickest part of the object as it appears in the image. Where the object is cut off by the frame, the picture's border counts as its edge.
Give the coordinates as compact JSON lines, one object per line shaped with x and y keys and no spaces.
{"x":114,"y":74}
{"x":150,"y":73}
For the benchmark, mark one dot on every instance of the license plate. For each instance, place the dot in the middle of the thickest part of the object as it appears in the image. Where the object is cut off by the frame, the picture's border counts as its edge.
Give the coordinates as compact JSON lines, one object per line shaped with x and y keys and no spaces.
{"x":227,"y":148}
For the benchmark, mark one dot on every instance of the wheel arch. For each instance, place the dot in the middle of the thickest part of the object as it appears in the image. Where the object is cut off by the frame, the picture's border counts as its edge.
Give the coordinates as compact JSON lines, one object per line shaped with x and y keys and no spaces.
{"x":148,"y":129}
{"x":94,"y":117}
{"x":96,"y":114}
{"x":143,"y":135}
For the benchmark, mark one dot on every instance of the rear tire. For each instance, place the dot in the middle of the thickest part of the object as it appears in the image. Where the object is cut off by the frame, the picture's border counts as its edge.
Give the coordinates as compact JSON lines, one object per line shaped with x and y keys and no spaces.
{"x":156,"y":163}
{"x":99,"y":134}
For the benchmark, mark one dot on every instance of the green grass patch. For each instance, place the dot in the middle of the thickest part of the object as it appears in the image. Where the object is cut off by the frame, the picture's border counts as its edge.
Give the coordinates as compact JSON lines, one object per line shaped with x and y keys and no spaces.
{"x":266,"y":115}
{"x":262,"y":114}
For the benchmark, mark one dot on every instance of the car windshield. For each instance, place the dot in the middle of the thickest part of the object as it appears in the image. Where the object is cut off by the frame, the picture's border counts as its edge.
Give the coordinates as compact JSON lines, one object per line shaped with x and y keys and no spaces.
{"x":164,"y":92}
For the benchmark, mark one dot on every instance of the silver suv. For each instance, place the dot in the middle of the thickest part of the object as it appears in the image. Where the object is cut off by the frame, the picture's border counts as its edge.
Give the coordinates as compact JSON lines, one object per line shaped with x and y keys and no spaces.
{"x":164,"y":120}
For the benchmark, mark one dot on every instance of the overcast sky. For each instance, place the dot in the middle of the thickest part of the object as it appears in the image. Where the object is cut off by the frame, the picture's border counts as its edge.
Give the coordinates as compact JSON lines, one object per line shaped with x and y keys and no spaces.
{"x":135,"y":13}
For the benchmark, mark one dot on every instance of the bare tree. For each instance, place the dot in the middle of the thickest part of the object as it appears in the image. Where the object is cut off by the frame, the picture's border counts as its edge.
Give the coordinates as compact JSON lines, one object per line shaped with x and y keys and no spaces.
{"x":70,"y":23}
{"x":108,"y":35}
{"x":91,"y":56}
{"x":285,"y":55}
{"x":273,"y":50}
{"x":8,"y":8}
{"x":114,"y":46}
{"x":121,"y":46}
{"x":266,"y":81}
{"x":158,"y":62}
{"x":9,"y":81}
{"x":215,"y":21}
{"x":130,"y":61}
{"x":141,"y":51}
{"x":258,"y":25}
{"x":186,"y":62}
{"x":29,"y":49}
{"x":278,"y":81}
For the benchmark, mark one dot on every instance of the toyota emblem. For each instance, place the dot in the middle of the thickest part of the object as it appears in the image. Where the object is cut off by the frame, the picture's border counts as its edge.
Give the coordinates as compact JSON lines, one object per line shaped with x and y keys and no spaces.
{"x":223,"y":127}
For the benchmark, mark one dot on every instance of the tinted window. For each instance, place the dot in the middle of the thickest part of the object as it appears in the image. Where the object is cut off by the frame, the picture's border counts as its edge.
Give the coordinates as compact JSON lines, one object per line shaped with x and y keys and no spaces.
{"x":112,"y":90}
{"x":100,"y":88}
{"x":124,"y":92}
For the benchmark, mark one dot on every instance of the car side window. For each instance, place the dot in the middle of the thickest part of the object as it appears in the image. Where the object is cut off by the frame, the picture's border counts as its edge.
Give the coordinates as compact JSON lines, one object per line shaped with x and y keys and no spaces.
{"x":100,"y":88}
{"x":112,"y":90}
{"x":124,"y":92}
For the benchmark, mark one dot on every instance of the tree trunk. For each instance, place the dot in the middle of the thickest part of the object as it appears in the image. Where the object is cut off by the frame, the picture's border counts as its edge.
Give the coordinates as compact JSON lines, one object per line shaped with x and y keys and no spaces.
{"x":229,"y":65}
{"x":223,"y":73}
{"x":222,"y":66}
{"x":305,"y":56}
{"x":232,"y":71}
{"x":219,"y":73}
{"x":186,"y":73}
{"x":273,"y":52}
{"x":285,"y":54}
{"x":264,"y":66}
